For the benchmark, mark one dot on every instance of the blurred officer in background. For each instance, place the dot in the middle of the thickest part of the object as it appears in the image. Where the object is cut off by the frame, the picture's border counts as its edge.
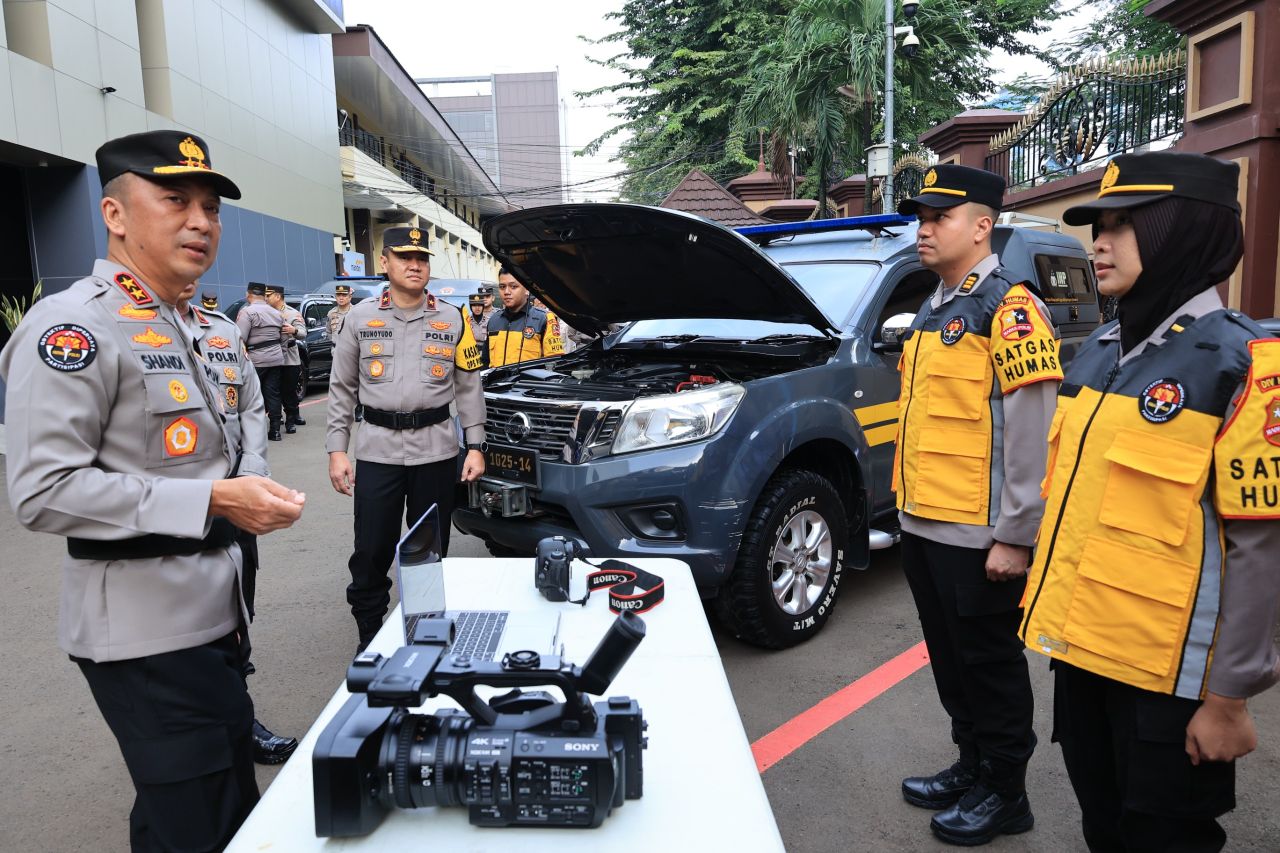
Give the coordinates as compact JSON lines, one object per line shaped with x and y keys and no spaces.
{"x":263,"y":330}
{"x":1156,"y":582}
{"x":341,"y":295}
{"x":291,"y":383}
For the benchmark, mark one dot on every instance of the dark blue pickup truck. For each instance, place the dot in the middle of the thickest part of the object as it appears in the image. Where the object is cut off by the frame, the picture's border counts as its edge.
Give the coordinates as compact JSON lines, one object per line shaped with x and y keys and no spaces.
{"x":744,"y":419}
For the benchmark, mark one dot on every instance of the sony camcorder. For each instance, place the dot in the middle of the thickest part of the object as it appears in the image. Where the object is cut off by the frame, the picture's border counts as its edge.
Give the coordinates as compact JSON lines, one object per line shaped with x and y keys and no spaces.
{"x":519,"y":759}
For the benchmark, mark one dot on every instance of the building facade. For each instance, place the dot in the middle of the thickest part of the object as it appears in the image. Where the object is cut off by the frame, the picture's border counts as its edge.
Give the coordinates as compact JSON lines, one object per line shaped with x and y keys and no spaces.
{"x":253,"y":77}
{"x":514,"y":130}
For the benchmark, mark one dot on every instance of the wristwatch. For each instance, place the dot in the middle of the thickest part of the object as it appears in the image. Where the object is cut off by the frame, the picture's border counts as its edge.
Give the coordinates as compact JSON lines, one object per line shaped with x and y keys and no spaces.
{"x":482,"y":446}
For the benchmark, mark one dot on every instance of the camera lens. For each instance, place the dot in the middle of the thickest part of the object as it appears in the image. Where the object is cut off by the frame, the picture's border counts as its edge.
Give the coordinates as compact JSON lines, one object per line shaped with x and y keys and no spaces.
{"x":423,"y":755}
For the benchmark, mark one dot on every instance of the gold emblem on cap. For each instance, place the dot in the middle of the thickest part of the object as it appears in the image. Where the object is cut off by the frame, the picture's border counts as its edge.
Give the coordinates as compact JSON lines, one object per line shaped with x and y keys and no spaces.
{"x":931,"y":177}
{"x":1110,"y":176}
{"x":415,"y":235}
{"x":193,"y":152}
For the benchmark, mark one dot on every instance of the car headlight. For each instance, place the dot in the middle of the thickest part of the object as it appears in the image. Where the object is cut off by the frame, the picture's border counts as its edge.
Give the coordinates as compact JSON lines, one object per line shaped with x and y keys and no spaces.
{"x":677,"y":418}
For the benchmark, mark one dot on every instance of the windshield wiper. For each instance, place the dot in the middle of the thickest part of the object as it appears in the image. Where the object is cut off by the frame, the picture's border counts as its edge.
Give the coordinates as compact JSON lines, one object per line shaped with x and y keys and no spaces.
{"x":785,"y":338}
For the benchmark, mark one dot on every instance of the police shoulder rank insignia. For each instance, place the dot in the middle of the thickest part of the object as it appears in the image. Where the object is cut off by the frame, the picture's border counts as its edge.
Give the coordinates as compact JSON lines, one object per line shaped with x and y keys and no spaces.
{"x":67,"y":347}
{"x":136,"y":313}
{"x":431,"y":300}
{"x":152,"y":338}
{"x":218,"y":342}
{"x":1015,"y":323}
{"x":376,"y":324}
{"x":970,"y":282}
{"x":385,"y":301}
{"x":1162,"y":400}
{"x":178,"y":391}
{"x":200,"y":318}
{"x":133,"y":290}
{"x":180,"y":437}
{"x":953,"y":330}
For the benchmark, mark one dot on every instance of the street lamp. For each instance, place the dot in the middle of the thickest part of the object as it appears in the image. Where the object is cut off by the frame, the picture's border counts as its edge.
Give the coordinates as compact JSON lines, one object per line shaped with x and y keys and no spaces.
{"x":910,"y":46}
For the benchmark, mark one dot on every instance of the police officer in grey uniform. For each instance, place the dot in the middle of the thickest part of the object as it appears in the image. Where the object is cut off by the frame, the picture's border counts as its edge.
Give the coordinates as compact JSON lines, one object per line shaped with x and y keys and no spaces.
{"x":478,"y":319}
{"x":341,"y":295}
{"x":290,"y":374}
{"x":405,"y":357}
{"x":117,"y":441}
{"x":263,"y":330}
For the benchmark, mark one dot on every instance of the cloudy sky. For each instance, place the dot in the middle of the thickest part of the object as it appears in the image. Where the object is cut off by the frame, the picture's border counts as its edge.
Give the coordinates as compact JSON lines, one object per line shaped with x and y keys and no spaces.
{"x":478,"y":37}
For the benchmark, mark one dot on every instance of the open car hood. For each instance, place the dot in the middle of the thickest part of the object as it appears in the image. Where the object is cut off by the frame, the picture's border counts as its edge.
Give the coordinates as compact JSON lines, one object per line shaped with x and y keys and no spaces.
{"x":596,"y":264}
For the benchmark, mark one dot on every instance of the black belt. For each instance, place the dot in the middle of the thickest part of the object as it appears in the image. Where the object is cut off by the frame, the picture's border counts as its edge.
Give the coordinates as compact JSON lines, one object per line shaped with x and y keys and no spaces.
{"x":406,"y":420}
{"x":263,"y":345}
{"x":221,"y":534}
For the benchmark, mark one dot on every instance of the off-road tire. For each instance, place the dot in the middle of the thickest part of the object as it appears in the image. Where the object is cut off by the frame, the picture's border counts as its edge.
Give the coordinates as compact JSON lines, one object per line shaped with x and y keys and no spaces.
{"x":746,"y":603}
{"x":303,"y":383}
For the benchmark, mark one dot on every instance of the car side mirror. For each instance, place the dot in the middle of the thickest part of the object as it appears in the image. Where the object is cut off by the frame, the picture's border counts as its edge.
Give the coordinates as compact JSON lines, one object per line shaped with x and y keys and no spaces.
{"x":893,"y":332}
{"x":313,"y":322}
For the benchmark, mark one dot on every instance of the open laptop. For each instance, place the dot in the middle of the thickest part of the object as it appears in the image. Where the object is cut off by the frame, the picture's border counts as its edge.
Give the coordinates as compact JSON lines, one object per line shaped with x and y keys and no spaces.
{"x":479,"y":634}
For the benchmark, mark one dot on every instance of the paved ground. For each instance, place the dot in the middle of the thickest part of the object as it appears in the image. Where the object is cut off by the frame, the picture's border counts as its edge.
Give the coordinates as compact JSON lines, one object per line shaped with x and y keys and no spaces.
{"x":65,"y":788}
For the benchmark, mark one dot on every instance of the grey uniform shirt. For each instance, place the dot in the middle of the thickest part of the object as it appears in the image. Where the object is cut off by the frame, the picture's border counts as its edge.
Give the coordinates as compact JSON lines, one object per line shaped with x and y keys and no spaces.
{"x":398,"y":360}
{"x":259,"y":326}
{"x":335,"y":317}
{"x":217,"y":342}
{"x":1245,"y":658}
{"x":114,"y":431}
{"x":292,"y":353}
{"x":1028,"y":411}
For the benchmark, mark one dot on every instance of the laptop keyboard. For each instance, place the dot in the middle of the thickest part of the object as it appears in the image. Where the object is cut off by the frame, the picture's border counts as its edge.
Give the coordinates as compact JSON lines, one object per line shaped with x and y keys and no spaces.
{"x":476,"y":632}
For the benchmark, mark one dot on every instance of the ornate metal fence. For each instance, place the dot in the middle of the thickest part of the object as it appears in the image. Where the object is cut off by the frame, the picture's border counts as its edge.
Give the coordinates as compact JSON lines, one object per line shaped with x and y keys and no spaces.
{"x":908,"y":180}
{"x":1096,"y":111}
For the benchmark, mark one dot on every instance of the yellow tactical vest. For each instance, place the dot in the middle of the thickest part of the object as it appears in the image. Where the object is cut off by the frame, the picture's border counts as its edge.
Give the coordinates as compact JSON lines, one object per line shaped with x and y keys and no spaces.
{"x":526,"y":336}
{"x":957,"y":364}
{"x":1128,"y":566}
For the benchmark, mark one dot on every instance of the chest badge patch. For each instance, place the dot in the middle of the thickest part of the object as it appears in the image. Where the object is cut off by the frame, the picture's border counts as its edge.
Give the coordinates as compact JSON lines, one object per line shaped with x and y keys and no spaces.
{"x":232,"y":396}
{"x":136,"y":313}
{"x":230,"y":373}
{"x":178,"y":391}
{"x":437,"y":370}
{"x":218,"y":342}
{"x":376,"y":324}
{"x":436,"y":324}
{"x":1161,"y":400}
{"x":376,"y":368}
{"x":1271,"y":430}
{"x":152,"y":338}
{"x":375,"y":349}
{"x":952,"y":330}
{"x":1015,"y":324}
{"x":180,"y":437}
{"x":528,"y":332}
{"x":68,"y":347}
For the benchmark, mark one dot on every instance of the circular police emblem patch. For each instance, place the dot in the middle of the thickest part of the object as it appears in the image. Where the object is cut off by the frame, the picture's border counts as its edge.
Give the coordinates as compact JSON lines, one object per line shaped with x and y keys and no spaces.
{"x":953,"y":330}
{"x":1161,"y":400}
{"x":528,"y":331}
{"x":67,"y":347}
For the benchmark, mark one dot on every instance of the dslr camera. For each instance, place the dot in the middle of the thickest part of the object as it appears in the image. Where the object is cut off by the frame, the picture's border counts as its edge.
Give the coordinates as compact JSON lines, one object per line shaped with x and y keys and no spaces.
{"x":551,"y":571}
{"x":519,"y":759}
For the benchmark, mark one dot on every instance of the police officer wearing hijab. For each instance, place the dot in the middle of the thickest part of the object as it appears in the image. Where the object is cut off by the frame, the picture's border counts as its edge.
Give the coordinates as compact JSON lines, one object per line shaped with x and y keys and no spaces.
{"x":979,"y":373}
{"x":117,"y":440}
{"x":1155,"y":584}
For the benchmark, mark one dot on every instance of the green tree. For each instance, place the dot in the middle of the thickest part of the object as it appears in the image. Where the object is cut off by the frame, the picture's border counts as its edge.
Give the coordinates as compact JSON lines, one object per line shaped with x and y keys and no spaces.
{"x":1120,"y":30}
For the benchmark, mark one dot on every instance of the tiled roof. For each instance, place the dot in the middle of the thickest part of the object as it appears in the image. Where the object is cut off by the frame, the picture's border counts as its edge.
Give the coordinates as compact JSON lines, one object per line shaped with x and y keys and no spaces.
{"x":699,"y":193}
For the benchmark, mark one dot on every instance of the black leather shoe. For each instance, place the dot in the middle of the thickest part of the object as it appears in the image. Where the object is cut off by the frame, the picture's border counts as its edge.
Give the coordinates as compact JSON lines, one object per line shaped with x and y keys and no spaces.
{"x":273,"y":434}
{"x":297,"y":421}
{"x":941,"y":790}
{"x":270,"y":748}
{"x":981,"y":815}
{"x":290,"y":428}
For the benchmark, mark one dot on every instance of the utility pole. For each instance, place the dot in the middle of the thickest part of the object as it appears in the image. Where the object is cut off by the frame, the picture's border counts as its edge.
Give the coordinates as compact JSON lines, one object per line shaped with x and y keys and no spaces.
{"x":886,"y":190}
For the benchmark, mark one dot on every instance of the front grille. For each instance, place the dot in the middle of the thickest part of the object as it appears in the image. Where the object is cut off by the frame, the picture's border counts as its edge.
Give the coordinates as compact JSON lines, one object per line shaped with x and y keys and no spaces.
{"x":549,"y":425}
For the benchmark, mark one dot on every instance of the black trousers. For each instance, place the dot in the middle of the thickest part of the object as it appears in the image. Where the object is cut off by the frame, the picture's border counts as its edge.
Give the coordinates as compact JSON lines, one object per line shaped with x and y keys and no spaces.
{"x":184,"y":724}
{"x":269,"y":379}
{"x":289,"y":390}
{"x":1125,"y":751}
{"x":970,"y":628}
{"x":383,"y":495}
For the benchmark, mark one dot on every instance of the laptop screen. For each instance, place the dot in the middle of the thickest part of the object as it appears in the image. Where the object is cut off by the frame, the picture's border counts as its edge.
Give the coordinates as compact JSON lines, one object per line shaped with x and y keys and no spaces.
{"x":419,"y":569}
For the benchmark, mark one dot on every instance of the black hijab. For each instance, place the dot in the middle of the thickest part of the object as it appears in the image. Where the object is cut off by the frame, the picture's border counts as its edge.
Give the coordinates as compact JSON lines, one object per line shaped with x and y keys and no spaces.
{"x":1186,"y":247}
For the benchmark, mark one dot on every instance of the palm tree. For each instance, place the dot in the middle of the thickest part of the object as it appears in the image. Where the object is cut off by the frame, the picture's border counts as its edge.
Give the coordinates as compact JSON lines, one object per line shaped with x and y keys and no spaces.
{"x":830,"y":44}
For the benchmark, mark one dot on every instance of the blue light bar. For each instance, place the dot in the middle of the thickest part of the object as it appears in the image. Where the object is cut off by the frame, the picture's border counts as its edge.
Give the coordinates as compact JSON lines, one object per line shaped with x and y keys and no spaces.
{"x":814,"y":226}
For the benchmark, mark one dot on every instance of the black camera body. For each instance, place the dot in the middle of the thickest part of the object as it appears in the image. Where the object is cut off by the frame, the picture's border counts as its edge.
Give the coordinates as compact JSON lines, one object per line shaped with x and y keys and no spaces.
{"x":551,"y":571}
{"x":520,"y":759}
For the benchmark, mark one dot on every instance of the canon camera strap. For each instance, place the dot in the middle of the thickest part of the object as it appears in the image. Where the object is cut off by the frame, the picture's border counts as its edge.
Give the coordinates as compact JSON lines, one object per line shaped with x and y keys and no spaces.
{"x":623,"y":580}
